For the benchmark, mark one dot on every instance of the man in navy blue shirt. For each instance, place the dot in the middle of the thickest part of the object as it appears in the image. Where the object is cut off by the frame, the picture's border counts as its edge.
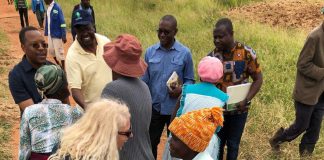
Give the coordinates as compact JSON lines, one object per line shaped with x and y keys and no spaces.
{"x":163,"y":59}
{"x":21,"y":77}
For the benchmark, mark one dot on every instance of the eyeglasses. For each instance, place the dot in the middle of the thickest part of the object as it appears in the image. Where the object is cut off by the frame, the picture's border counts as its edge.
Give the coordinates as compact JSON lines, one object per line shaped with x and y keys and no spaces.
{"x":38,"y":45}
{"x":160,"y":31}
{"x":127,"y":133}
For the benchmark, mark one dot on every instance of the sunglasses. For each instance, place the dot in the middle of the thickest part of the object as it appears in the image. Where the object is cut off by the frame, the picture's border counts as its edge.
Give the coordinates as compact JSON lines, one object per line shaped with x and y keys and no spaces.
{"x":166,"y":32}
{"x":38,"y":45}
{"x":127,"y":133}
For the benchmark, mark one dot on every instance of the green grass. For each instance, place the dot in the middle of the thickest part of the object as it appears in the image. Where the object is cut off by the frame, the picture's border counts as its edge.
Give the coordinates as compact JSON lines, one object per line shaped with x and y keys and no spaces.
{"x":5,"y":131}
{"x":5,"y":125}
{"x":277,"y":50}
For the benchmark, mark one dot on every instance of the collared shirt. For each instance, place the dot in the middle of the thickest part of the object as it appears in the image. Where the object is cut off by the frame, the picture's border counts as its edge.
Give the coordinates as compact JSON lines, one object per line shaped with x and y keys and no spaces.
{"x":49,"y":10}
{"x":161,"y":63}
{"x":239,"y":65}
{"x":41,"y":124}
{"x":87,"y":71}
{"x":21,"y":82}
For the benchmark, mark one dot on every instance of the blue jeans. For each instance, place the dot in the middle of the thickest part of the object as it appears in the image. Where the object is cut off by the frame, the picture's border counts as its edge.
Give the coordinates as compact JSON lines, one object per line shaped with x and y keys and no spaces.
{"x":231,"y":134}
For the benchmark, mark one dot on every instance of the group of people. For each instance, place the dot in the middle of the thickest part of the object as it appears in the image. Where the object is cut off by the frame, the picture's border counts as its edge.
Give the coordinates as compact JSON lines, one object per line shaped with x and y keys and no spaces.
{"x":123,"y":102}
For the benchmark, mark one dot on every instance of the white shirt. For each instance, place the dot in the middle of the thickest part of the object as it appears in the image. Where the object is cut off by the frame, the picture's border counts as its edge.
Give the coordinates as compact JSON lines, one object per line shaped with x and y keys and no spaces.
{"x":49,"y":9}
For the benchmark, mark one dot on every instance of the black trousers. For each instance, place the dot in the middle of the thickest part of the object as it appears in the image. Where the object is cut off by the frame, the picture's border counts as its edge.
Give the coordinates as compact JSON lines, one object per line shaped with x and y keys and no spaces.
{"x":230,"y":135}
{"x":156,"y":128}
{"x":23,"y":13}
{"x":308,"y":119}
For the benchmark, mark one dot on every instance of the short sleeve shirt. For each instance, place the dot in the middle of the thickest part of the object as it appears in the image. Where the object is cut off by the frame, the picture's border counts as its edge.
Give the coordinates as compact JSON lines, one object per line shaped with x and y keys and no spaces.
{"x":21,"y":82}
{"x":238,"y":64}
{"x":87,"y":71}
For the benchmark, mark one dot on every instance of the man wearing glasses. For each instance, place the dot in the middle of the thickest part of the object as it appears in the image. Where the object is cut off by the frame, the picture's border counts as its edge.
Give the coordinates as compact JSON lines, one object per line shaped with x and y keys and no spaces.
{"x":164,"y":58}
{"x":21,"y":77}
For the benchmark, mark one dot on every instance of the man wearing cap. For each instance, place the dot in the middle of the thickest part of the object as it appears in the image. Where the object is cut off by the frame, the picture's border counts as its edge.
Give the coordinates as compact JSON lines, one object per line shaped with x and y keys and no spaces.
{"x":308,"y":96}
{"x":123,"y":56}
{"x":55,"y":30}
{"x":84,"y":5}
{"x":86,"y":69}
{"x":240,"y":63}
{"x":164,"y":58}
{"x":21,"y":77}
{"x":41,"y":123}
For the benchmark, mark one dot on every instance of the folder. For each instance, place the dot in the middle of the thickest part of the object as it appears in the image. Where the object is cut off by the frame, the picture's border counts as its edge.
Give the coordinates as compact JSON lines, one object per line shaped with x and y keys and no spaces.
{"x":236,"y":93}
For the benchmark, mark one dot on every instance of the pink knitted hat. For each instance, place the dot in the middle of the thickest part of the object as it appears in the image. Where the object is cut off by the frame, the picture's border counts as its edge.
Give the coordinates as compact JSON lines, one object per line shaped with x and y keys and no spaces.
{"x":210,"y":69}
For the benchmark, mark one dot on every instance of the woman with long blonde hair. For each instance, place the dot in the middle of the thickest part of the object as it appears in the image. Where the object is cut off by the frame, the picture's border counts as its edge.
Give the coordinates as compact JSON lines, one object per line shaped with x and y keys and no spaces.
{"x":98,"y":135}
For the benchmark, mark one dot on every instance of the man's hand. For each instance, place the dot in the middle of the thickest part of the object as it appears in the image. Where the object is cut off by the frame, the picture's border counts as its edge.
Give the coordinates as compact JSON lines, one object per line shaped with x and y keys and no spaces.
{"x":64,"y":40}
{"x":243,"y":106}
{"x":175,"y":91}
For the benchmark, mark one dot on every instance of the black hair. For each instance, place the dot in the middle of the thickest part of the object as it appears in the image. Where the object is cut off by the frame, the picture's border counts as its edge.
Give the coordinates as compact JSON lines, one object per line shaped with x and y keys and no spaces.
{"x":171,"y":19}
{"x":225,"y":22}
{"x":22,"y":33}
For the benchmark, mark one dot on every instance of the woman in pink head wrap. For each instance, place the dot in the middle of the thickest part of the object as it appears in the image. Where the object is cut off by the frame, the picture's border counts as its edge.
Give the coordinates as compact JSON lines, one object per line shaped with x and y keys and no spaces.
{"x":202,"y":95}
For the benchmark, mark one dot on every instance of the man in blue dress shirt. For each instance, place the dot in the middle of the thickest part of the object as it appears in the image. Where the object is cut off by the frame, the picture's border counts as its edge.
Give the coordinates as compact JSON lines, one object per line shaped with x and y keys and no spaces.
{"x":163,"y":59}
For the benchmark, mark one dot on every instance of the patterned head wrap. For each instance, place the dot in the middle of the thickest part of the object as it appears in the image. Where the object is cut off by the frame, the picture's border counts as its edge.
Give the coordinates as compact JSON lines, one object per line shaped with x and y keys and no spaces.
{"x":196,"y":128}
{"x":49,"y":79}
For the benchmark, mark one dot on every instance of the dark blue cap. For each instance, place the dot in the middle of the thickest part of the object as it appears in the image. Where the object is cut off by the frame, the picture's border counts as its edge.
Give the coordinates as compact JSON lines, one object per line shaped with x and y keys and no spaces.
{"x":81,"y":17}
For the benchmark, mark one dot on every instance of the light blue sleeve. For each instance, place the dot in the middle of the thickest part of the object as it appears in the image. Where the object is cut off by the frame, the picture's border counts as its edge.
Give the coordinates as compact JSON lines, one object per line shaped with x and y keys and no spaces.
{"x":25,"y":138}
{"x":188,"y":73}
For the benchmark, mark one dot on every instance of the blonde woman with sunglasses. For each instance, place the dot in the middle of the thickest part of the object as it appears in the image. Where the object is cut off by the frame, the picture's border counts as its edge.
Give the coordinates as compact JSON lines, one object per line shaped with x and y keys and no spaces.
{"x":99,"y":134}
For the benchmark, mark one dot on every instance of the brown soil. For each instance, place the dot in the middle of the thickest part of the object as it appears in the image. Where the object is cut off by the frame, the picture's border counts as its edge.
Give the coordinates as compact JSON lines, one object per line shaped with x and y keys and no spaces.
{"x":304,"y":14}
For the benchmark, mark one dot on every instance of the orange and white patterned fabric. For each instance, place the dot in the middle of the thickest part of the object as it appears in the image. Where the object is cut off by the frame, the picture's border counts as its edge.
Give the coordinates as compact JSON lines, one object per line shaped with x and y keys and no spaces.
{"x":196,"y":128}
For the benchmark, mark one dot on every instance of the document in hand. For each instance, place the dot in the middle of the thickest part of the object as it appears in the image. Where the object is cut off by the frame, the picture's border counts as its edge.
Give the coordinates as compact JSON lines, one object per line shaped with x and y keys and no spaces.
{"x":173,"y":80}
{"x":236,"y":94}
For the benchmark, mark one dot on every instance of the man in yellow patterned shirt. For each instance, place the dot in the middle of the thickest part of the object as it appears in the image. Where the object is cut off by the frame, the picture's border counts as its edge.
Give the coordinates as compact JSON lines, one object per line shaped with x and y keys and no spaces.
{"x":240,"y":63}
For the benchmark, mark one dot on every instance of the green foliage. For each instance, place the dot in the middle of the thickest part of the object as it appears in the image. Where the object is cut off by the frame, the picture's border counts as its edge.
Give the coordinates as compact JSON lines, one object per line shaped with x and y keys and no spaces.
{"x":236,"y":3}
{"x":5,"y":126}
{"x":3,"y":42}
{"x":277,"y":50}
{"x":5,"y":129}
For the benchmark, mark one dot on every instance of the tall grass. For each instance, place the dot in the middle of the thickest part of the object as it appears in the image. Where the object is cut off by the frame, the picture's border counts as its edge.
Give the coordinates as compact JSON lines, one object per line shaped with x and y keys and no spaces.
{"x":277,"y":50}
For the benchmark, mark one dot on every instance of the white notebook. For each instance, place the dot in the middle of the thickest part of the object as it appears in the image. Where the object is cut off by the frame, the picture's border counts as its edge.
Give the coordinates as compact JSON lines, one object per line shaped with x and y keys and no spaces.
{"x":237,"y":94}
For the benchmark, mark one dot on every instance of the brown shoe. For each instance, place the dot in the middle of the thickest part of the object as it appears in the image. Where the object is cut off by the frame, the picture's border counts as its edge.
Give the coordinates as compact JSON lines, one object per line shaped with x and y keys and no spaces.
{"x":276,"y":140}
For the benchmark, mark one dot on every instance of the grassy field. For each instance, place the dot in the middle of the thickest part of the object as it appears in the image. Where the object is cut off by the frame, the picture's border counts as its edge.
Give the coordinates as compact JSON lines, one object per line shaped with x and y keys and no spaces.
{"x":5,"y":125}
{"x":277,"y":50}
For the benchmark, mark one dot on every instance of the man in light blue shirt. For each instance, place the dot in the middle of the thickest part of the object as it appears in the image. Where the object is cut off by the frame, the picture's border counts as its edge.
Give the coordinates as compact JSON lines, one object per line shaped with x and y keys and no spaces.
{"x":163,"y":59}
